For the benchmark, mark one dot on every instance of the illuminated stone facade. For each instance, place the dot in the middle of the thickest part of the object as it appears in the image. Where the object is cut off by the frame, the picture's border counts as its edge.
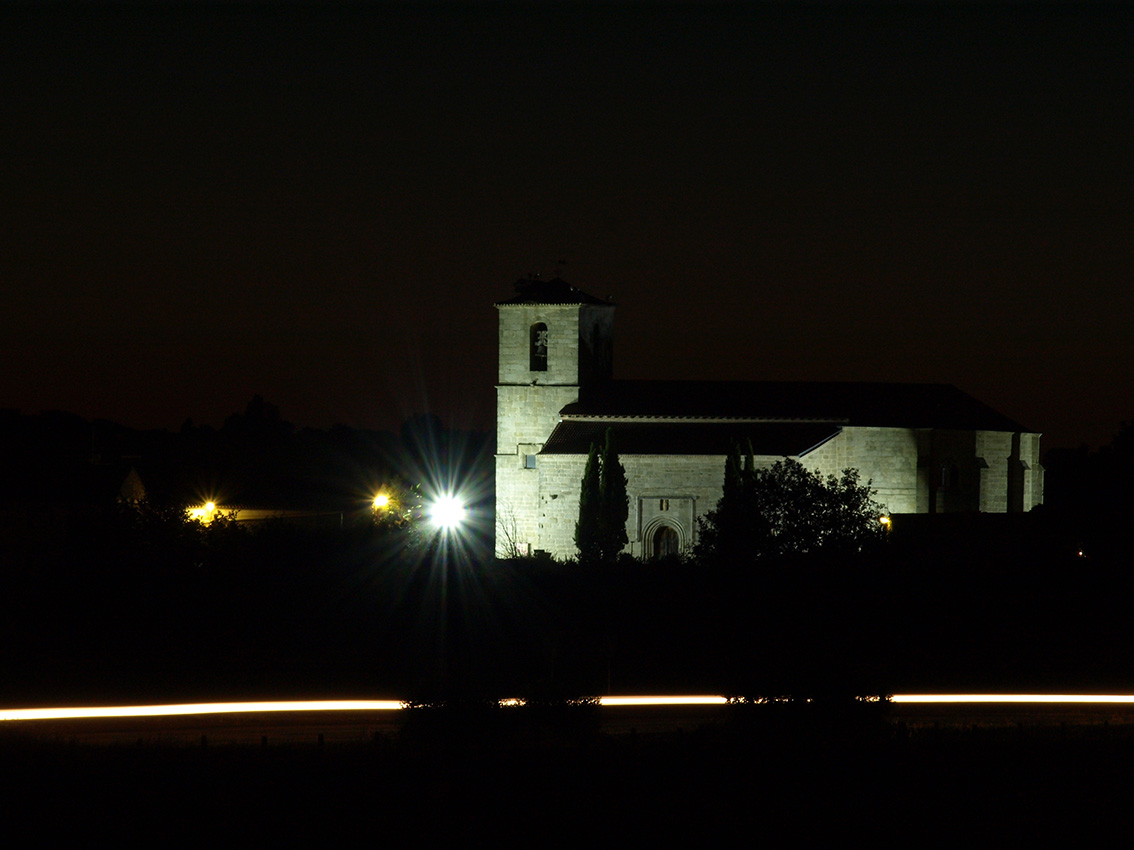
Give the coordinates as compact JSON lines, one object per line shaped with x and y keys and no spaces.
{"x":925,"y":448}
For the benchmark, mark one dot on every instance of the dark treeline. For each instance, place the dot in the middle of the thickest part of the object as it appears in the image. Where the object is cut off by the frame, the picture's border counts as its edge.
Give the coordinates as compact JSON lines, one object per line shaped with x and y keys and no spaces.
{"x":1090,"y":495}
{"x":56,"y":462}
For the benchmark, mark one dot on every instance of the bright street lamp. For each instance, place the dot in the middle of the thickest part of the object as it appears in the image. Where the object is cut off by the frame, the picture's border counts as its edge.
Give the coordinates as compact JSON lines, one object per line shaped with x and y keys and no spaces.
{"x":447,"y":513}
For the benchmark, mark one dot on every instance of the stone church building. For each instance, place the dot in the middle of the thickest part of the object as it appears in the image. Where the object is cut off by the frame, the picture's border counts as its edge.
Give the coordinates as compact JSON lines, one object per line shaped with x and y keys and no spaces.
{"x":926,"y":448}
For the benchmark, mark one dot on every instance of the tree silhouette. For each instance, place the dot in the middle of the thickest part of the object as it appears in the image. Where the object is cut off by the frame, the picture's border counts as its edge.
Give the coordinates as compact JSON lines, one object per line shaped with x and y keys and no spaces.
{"x":600,"y":532}
{"x":588,"y":533}
{"x":788,"y":510}
{"x":614,"y":503}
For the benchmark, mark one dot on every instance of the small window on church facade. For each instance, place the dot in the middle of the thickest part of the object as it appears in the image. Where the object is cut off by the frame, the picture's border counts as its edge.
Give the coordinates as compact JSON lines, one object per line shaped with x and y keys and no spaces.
{"x":529,"y":461}
{"x":538,"y":356}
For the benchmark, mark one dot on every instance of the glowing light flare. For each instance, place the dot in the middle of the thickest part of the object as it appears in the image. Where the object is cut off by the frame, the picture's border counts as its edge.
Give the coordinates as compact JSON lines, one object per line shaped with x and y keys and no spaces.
{"x":381,"y":501}
{"x":1113,"y":699}
{"x":203,"y":513}
{"x":686,"y":700}
{"x":643,"y":700}
{"x":196,"y":708}
{"x":447,"y":513}
{"x":75,"y":713}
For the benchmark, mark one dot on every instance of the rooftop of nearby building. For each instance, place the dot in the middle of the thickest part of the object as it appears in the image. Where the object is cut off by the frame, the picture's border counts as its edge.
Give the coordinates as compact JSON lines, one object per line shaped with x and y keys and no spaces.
{"x":768,"y":439}
{"x":864,"y":404}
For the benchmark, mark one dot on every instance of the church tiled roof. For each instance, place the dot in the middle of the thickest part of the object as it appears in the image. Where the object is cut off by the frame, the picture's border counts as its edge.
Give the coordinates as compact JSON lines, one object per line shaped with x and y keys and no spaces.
{"x":774,"y":439}
{"x":867,"y":404}
{"x":554,"y":291}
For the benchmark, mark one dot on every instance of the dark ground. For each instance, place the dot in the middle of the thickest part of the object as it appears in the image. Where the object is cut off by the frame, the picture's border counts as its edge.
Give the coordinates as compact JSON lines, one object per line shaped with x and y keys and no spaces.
{"x":159,"y":612}
{"x":103,"y":604}
{"x":755,"y":776}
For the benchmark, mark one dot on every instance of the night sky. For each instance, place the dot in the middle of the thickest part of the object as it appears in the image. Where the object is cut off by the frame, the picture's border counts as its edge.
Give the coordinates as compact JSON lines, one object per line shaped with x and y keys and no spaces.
{"x":321,"y":204}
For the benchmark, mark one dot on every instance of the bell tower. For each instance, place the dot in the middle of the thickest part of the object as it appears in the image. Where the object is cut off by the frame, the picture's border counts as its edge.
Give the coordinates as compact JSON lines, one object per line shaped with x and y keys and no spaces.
{"x":555,"y":341}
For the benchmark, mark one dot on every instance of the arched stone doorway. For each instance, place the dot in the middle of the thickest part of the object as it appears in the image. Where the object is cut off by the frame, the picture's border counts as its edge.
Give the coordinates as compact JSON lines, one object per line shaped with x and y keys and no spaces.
{"x":664,"y":542}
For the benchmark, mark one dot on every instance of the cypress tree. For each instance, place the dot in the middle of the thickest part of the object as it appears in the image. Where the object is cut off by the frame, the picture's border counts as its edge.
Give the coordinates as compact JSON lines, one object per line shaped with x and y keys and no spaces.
{"x":588,"y":527}
{"x":745,"y":504}
{"x":614,"y":502}
{"x":725,"y":534}
{"x":732,"y":479}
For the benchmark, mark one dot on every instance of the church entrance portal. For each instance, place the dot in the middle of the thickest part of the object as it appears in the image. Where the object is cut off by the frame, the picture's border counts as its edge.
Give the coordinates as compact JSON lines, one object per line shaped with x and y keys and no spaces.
{"x":666,"y":542}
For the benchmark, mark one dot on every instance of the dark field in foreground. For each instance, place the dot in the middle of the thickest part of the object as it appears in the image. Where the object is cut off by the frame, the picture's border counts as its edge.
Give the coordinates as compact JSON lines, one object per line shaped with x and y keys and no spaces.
{"x":753,"y":774}
{"x":289,"y":613}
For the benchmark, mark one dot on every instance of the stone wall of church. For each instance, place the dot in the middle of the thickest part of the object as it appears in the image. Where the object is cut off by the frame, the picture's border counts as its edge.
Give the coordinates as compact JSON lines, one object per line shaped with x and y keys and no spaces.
{"x":525,"y":417}
{"x":664,"y":490}
{"x":673,"y":491}
{"x":560,"y":481}
{"x":691,"y":485}
{"x":528,"y":403}
{"x":987,"y":471}
{"x":579,"y":342}
{"x":886,"y":457}
{"x":991,"y":450}
{"x":1011,"y":474}
{"x":1032,"y":494}
{"x":517,"y":505}
{"x":527,"y":409}
{"x":516,"y":321}
{"x":528,"y":415}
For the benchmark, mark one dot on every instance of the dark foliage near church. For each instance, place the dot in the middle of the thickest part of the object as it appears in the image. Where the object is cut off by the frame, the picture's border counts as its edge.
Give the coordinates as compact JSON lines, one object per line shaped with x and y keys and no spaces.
{"x":787,"y":511}
{"x":600,"y":532}
{"x":1089,"y":495}
{"x":588,"y":535}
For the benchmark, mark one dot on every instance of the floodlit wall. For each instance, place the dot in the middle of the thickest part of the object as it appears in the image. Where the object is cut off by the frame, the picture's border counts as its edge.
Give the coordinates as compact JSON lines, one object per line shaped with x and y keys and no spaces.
{"x":886,"y":457}
{"x":675,"y":490}
{"x":664,"y":490}
{"x":560,"y":482}
{"x":1025,"y":474}
{"x":1033,"y":473}
{"x":989,"y":460}
{"x":528,"y":402}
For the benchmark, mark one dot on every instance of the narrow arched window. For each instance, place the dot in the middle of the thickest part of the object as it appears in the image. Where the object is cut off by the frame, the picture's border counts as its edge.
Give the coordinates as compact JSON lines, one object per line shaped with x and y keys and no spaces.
{"x":538,"y":350}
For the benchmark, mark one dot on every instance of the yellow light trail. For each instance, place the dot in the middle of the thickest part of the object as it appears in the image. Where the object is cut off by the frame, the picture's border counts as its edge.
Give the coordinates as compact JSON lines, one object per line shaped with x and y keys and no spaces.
{"x":1064,"y":699}
{"x":196,"y":708}
{"x":692,"y":700}
{"x":10,"y":714}
{"x":299,"y":705}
